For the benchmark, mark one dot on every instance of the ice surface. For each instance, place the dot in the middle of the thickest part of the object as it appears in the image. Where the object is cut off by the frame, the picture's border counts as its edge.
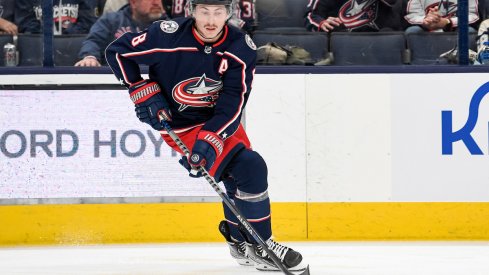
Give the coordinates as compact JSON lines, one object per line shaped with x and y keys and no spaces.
{"x":335,"y":258}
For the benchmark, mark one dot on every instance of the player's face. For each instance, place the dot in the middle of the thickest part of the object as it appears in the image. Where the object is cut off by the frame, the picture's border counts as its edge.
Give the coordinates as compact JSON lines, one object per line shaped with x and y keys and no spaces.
{"x":147,"y":10}
{"x":209,"y":21}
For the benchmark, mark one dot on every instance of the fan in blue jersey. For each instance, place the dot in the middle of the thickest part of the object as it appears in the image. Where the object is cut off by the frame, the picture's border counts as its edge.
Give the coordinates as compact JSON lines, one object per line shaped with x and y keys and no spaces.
{"x":200,"y":76}
{"x":353,"y":15}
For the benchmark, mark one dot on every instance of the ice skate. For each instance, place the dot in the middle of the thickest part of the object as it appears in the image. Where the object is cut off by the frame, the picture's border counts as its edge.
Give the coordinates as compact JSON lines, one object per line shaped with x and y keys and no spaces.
{"x":291,"y":259}
{"x":236,"y":248}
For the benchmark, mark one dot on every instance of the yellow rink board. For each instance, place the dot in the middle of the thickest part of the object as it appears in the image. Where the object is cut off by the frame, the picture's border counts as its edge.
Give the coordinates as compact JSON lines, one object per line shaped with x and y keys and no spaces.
{"x":197,"y":222}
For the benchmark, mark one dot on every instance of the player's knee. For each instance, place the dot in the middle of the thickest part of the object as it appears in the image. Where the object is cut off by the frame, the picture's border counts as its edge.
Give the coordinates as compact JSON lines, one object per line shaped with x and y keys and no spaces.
{"x":253,"y":172}
{"x":253,"y":164}
{"x":230,"y":185}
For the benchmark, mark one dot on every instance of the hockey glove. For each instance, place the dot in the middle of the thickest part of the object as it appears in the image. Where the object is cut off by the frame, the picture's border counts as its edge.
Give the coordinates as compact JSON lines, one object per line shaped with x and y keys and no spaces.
{"x":151,"y":106}
{"x":206,"y":149}
{"x":192,"y":172}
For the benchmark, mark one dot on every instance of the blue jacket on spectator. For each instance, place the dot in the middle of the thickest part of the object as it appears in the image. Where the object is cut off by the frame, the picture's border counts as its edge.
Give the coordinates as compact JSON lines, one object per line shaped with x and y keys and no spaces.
{"x":107,"y":28}
{"x":70,"y":16}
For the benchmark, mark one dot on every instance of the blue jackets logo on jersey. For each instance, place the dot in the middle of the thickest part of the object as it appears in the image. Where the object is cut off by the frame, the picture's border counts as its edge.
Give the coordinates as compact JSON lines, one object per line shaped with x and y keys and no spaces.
{"x":250,"y":42}
{"x":169,"y":26}
{"x":356,"y":13}
{"x":197,"y":92}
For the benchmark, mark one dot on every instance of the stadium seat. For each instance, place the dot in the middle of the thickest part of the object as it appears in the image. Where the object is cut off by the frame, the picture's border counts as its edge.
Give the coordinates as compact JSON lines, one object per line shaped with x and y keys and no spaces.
{"x":426,"y":47}
{"x":281,"y":15}
{"x":66,"y":48}
{"x":30,"y":49}
{"x":362,"y":48}
{"x":315,"y":43}
{"x":4,"y":39}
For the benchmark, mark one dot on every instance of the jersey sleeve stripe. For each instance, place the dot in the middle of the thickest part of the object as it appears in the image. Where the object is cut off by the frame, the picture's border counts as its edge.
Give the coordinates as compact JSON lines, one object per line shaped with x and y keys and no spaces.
{"x":159,"y":50}
{"x":314,"y":4}
{"x":309,"y":17}
{"x":119,"y":62}
{"x":243,"y":91}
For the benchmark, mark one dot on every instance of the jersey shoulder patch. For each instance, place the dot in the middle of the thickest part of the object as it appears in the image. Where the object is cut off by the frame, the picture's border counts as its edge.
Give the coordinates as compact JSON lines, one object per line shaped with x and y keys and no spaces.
{"x":250,"y":42}
{"x":169,"y":26}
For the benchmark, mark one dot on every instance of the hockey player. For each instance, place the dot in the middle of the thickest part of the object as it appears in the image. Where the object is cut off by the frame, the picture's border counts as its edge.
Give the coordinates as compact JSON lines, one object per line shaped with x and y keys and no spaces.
{"x":200,"y":76}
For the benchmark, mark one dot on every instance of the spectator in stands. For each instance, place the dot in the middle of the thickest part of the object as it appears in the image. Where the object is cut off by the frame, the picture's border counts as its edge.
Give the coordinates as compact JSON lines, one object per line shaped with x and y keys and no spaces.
{"x":115,"y":5}
{"x":7,"y":11}
{"x":134,"y":17}
{"x":70,"y":16}
{"x":244,"y":13}
{"x":353,"y":15}
{"x":437,"y":15}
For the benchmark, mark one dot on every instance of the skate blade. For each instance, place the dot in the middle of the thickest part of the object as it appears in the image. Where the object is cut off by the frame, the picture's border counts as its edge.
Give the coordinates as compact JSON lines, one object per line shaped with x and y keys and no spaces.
{"x":304,"y":271}
{"x":245,"y":262}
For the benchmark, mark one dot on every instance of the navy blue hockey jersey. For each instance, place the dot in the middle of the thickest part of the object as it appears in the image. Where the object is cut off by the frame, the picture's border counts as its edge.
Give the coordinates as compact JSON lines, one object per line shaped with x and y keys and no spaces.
{"x":204,"y":84}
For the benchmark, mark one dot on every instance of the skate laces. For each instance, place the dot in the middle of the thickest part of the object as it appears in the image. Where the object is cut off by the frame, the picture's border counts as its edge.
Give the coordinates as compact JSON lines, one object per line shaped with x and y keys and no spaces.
{"x":278,"y":249}
{"x":241,"y":247}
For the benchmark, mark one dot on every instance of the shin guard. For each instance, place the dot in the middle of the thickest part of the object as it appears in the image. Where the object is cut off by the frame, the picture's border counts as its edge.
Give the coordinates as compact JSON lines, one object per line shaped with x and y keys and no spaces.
{"x":247,"y":185}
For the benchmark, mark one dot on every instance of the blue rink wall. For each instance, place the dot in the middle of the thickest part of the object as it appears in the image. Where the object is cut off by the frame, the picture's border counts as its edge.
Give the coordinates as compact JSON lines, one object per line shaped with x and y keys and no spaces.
{"x":353,"y":154}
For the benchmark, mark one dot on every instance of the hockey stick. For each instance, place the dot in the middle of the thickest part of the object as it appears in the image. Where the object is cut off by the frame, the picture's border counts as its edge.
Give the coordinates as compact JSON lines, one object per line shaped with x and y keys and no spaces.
{"x":230,"y":204}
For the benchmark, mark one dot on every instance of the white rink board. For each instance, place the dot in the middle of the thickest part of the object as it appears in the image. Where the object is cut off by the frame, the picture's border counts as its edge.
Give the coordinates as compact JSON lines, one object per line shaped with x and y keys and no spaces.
{"x":348,"y":137}
{"x":378,"y":138}
{"x":326,"y":138}
{"x":276,"y":127}
{"x":420,"y":171}
{"x":142,"y":164}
